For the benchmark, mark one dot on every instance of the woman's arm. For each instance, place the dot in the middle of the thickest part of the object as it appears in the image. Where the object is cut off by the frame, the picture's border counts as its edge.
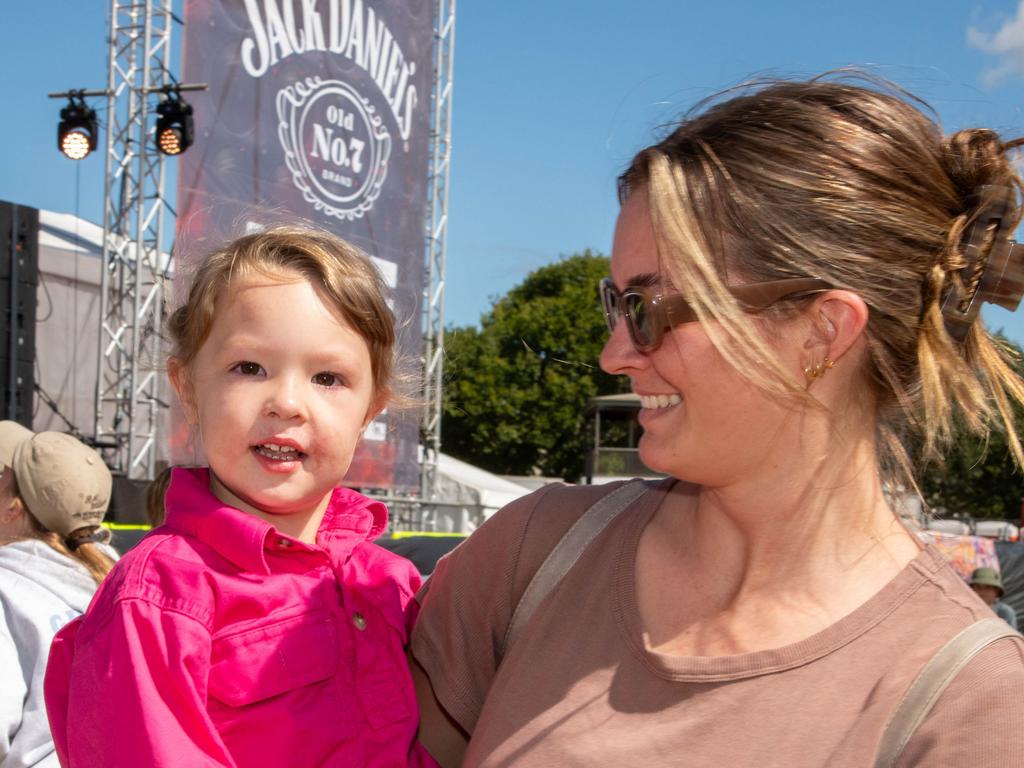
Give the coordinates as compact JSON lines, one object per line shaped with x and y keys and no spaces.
{"x":438,"y":732}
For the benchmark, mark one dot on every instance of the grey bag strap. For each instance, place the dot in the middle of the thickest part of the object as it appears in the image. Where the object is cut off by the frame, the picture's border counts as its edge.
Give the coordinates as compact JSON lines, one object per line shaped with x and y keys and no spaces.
{"x":567,"y":551}
{"x":928,"y":686}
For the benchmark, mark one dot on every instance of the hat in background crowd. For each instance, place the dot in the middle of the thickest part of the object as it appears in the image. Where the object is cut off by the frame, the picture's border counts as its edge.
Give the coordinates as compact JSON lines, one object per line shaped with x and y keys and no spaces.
{"x":12,"y":434}
{"x":988,"y":585}
{"x":63,"y":482}
{"x":987,"y":577}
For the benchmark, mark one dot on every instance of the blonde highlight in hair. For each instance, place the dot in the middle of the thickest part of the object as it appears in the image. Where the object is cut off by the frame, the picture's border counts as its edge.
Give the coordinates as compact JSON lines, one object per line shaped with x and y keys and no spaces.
{"x":87,"y":554}
{"x":843,"y":178}
{"x":343,"y":275}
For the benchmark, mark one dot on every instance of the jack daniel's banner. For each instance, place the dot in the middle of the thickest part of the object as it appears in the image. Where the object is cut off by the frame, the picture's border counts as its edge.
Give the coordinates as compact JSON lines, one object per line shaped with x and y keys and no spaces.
{"x":317,"y":111}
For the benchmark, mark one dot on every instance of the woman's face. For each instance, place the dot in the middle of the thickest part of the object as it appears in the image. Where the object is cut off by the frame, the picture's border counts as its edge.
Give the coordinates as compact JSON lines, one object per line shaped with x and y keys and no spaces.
{"x":703,"y":422}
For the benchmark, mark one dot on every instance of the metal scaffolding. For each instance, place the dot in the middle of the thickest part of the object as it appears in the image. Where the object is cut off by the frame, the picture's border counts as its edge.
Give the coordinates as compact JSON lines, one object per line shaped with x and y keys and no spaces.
{"x":128,"y":405}
{"x":436,"y":246}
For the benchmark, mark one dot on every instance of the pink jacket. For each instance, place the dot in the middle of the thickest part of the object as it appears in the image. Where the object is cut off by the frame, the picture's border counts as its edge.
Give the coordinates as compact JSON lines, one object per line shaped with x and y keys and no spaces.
{"x":218,"y":641}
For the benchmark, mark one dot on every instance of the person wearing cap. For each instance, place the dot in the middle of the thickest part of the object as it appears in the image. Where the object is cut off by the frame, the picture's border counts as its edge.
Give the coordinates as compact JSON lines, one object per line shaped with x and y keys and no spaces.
{"x":988,"y":585}
{"x":54,"y":492}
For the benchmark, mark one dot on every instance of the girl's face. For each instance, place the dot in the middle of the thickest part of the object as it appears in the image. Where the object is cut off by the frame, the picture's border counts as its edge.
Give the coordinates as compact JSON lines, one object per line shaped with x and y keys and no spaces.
{"x":703,"y":422}
{"x":280,"y":392}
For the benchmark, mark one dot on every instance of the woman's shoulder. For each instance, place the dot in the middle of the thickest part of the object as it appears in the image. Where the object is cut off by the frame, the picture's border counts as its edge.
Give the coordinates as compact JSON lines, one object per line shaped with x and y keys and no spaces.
{"x":547,"y":512}
{"x":973,"y":721}
{"x":510,"y":546}
{"x":949,"y":593}
{"x":38,"y":581}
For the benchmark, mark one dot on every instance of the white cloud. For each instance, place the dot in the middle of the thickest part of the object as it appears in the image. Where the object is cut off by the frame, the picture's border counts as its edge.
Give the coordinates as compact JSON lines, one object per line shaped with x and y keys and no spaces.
{"x":1007,"y":43}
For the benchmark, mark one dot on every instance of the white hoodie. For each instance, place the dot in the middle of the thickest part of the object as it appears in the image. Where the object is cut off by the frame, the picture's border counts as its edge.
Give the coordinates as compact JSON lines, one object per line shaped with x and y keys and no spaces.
{"x":40,"y":591}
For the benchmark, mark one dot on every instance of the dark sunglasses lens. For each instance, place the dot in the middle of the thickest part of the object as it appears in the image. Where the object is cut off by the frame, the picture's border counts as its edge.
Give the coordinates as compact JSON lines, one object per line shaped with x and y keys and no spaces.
{"x":640,"y":319}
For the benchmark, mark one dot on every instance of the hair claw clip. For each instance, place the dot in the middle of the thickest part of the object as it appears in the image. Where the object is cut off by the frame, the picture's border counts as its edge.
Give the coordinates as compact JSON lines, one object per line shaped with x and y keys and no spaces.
{"x":1001,"y":278}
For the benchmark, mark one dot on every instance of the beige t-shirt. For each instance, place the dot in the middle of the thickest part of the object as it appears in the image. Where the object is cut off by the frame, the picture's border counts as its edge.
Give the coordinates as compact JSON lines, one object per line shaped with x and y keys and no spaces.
{"x":579,"y":687}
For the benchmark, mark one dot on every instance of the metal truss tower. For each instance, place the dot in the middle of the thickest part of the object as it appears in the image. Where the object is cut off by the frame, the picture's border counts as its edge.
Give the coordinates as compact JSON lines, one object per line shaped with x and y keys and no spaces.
{"x":129,"y":410}
{"x":437,"y":242}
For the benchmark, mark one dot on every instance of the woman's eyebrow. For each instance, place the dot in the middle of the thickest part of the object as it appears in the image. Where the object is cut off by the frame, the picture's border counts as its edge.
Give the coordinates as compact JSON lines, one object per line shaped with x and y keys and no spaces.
{"x":645,"y":280}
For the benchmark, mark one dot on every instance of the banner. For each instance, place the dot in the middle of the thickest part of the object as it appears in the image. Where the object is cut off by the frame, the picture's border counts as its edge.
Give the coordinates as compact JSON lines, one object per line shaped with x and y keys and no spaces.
{"x":317,"y":111}
{"x":964,"y":553}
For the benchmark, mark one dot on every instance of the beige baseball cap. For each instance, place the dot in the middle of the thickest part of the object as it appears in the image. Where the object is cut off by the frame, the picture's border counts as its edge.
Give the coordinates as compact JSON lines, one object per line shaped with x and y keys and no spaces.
{"x":63,"y":482}
{"x":12,"y":434}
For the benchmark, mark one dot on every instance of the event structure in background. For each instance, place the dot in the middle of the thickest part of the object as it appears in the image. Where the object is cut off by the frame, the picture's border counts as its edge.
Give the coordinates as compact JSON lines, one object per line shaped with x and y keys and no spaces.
{"x":332,"y":112}
{"x":130,"y":400}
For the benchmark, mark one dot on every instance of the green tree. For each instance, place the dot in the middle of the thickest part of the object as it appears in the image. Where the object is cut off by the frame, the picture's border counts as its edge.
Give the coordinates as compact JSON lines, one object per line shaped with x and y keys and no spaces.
{"x":978,"y":478}
{"x":516,"y":388}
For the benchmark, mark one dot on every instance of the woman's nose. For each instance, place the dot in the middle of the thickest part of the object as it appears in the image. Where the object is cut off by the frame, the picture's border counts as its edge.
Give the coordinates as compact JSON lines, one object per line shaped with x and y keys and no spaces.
{"x":619,"y":356}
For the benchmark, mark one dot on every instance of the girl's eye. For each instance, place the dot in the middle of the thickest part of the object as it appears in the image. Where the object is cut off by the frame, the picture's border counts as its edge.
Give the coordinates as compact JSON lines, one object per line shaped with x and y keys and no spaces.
{"x":327,"y":380}
{"x":247,"y":368}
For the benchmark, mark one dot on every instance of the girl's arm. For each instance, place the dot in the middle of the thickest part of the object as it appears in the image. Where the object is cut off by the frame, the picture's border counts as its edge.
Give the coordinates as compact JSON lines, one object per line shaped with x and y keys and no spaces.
{"x":133,"y":691}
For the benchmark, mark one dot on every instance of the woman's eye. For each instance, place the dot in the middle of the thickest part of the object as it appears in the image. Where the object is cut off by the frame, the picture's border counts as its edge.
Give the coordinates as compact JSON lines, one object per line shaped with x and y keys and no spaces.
{"x":247,"y":368}
{"x":327,"y":379}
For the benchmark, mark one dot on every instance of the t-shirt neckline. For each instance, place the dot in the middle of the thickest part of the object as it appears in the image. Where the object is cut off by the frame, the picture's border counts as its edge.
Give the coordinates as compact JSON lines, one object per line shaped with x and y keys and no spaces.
{"x":709,"y":669}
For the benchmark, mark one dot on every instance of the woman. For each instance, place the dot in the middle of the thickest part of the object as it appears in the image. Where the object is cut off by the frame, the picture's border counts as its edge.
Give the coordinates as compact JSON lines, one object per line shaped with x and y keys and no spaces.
{"x":54,"y":492}
{"x":793,"y":294}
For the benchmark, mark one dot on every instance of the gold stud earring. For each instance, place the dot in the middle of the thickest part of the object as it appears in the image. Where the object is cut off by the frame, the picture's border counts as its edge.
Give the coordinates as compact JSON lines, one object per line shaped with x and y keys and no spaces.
{"x":816,"y":371}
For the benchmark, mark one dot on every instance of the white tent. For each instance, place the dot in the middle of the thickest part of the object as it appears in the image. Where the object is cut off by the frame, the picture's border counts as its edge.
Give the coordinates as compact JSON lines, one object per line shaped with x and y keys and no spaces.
{"x":67,"y":321}
{"x":471,"y":495}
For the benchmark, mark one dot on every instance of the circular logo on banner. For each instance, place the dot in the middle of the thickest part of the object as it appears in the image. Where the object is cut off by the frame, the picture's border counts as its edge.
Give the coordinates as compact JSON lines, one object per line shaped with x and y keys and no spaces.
{"x":335,"y":145}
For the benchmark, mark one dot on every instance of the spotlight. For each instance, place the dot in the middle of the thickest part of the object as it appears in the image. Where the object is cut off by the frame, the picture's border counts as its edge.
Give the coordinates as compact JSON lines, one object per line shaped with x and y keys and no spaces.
{"x":76,"y":134}
{"x":174,"y":131}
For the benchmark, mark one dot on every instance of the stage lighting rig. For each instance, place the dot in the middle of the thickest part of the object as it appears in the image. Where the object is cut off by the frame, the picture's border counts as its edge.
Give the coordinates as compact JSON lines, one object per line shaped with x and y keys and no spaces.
{"x":174,"y":127}
{"x":77,"y":131}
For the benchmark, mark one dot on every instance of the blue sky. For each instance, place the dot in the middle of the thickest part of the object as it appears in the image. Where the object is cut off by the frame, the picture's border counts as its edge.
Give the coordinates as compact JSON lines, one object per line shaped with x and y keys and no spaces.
{"x":553,"y":98}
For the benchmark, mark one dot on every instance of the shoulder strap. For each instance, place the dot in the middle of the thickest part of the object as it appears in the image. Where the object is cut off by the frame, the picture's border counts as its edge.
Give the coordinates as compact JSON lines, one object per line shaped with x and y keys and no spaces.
{"x":567,"y":551}
{"x":928,"y":686}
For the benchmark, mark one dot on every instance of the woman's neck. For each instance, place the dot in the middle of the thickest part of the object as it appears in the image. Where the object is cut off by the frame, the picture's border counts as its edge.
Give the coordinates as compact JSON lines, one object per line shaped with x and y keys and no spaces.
{"x":773,"y":560}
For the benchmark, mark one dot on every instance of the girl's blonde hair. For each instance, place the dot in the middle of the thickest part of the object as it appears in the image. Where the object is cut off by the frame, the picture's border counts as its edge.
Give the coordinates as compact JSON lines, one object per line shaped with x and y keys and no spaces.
{"x":845,"y":179}
{"x":340,"y":272}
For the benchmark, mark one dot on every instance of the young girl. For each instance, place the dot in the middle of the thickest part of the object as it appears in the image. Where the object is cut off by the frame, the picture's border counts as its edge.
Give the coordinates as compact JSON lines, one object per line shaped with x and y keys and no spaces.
{"x":54,"y":492}
{"x":258,"y":626}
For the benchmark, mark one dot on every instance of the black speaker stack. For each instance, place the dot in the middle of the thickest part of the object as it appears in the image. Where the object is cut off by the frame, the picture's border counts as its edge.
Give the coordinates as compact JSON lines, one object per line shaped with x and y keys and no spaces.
{"x":19,"y":277}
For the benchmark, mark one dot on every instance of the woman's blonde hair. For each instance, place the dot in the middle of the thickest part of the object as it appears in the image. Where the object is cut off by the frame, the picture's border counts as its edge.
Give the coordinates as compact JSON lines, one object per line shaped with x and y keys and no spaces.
{"x":843,"y":178}
{"x":86,"y":553}
{"x":340,"y":272}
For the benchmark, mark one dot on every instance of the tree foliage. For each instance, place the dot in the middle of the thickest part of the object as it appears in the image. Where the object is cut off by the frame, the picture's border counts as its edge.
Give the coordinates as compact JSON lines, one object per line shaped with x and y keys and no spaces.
{"x":516,"y":388}
{"x":978,"y":478}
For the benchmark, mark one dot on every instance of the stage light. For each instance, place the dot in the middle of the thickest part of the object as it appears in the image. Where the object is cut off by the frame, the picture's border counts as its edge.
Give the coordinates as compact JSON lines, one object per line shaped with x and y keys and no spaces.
{"x":76,"y":134}
{"x":174,"y":131}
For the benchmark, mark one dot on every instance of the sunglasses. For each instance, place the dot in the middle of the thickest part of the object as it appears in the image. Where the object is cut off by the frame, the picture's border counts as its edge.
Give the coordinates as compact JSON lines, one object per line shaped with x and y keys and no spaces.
{"x":648,"y":315}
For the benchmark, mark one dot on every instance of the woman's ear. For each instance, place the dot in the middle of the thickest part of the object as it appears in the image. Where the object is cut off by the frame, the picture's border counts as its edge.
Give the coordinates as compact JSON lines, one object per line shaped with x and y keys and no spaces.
{"x":837,"y":322}
{"x":177,"y":372}
{"x":14,"y":511}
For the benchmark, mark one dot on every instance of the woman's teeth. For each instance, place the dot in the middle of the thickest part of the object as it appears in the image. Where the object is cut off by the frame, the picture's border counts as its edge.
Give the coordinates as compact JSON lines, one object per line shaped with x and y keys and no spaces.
{"x":659,"y":401}
{"x":278,"y":452}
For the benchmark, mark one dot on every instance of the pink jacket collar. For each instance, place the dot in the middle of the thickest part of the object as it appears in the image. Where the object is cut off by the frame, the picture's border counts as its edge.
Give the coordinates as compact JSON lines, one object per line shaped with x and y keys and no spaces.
{"x":351,"y":518}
